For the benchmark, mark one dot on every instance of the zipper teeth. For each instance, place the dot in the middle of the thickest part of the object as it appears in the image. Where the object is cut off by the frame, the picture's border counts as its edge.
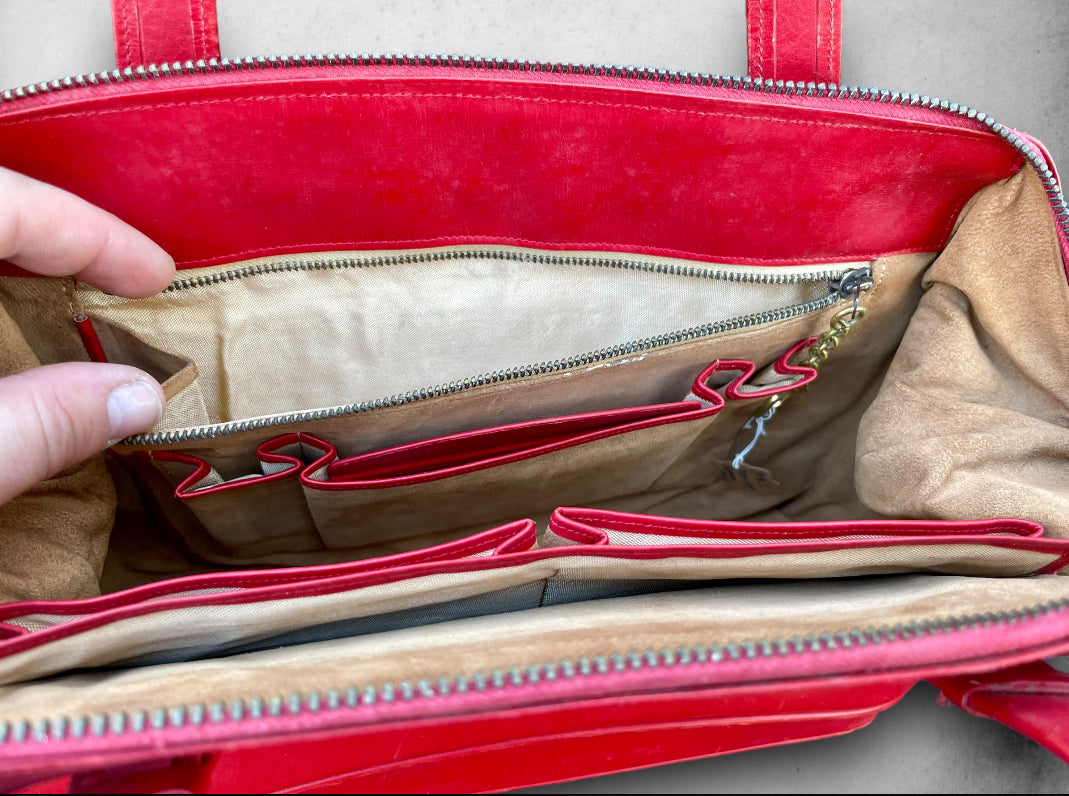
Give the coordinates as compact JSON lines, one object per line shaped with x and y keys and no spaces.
{"x":497,"y":376}
{"x":536,"y":258}
{"x":832,"y":91}
{"x":123,"y":723}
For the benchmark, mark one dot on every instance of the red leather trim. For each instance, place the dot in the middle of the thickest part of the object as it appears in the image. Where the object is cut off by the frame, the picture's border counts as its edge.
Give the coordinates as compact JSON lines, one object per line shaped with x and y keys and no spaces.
{"x":164,"y":31}
{"x":90,"y":340}
{"x":594,"y":522}
{"x":458,"y":454}
{"x":518,"y":536}
{"x":747,"y":370}
{"x":11,"y":631}
{"x":976,"y":648}
{"x":265,"y":451}
{"x":798,"y":40}
{"x":1032,"y":699}
{"x":873,"y":181}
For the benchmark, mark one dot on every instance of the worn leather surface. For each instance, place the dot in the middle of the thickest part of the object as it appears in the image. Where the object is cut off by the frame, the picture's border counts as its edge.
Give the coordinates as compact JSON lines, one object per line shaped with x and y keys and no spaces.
{"x":314,"y":159}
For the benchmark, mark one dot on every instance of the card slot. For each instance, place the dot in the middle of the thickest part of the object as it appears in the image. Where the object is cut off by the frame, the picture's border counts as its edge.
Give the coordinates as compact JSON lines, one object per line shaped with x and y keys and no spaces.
{"x":570,"y":525}
{"x":461,"y":453}
{"x":458,"y":481}
{"x":250,"y":515}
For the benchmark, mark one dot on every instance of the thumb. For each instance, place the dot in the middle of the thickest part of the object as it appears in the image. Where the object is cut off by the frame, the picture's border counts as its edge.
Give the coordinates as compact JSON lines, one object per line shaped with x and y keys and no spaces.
{"x":56,"y":416}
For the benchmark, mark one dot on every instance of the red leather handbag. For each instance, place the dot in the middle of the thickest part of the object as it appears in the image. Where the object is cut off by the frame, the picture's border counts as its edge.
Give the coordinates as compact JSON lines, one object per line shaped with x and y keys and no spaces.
{"x":527,"y":422}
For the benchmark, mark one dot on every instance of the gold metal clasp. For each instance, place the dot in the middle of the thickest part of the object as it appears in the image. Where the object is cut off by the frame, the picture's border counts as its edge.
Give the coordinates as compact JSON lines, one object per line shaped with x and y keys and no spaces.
{"x":841,"y":324}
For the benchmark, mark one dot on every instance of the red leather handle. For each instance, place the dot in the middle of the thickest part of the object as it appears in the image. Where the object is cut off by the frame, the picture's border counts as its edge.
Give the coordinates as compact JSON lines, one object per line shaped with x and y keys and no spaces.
{"x":799,"y":40}
{"x":164,"y":31}
{"x":1032,"y":699}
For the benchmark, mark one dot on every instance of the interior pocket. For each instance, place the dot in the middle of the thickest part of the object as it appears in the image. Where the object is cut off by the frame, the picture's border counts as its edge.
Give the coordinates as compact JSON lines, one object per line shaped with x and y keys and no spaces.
{"x":306,"y":333}
{"x":520,"y":326}
{"x":453,"y":483}
{"x":177,"y":374}
{"x":251,"y":515}
{"x":448,"y":484}
{"x":992,"y":548}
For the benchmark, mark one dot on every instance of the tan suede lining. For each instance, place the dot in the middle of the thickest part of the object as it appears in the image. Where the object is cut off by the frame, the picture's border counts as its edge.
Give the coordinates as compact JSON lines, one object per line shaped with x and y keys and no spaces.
{"x":973,"y":416}
{"x":53,"y":537}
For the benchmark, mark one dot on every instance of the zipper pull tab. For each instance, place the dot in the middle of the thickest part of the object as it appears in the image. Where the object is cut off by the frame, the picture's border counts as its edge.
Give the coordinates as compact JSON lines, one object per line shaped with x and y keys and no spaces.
{"x":852,"y":284}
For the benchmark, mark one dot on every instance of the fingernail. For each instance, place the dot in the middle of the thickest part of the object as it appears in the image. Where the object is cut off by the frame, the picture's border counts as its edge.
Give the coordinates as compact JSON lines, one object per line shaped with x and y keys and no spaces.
{"x":132,"y":408}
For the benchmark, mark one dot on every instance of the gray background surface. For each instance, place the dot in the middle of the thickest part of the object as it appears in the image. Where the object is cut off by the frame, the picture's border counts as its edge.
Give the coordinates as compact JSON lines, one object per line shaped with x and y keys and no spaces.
{"x":1008,"y":59}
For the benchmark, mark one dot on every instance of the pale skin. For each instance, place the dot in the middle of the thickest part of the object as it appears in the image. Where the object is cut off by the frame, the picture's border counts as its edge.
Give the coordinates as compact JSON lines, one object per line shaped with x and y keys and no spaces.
{"x":55,"y":416}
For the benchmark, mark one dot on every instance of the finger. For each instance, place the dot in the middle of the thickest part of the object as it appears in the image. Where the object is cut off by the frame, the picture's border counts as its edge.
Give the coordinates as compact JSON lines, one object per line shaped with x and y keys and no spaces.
{"x":54,"y":233}
{"x":56,"y":416}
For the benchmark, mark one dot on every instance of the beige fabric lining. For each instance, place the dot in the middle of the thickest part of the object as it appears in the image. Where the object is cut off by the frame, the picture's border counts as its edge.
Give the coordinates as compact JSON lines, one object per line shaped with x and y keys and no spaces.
{"x":718,"y":615}
{"x":390,"y":329}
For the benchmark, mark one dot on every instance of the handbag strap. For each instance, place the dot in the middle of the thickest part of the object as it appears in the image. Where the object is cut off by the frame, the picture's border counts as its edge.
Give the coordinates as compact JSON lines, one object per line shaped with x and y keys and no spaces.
{"x":164,"y":31}
{"x":799,"y":40}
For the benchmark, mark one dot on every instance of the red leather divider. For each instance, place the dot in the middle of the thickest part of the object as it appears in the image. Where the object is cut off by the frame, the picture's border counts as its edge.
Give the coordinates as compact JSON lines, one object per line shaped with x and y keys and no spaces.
{"x":799,"y":40}
{"x":230,"y":166}
{"x":164,"y":31}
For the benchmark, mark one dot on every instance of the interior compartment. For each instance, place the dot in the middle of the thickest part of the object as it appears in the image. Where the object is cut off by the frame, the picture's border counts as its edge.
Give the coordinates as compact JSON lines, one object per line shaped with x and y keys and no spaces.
{"x":509,"y":328}
{"x":725,"y":623}
{"x":818,"y":424}
{"x":291,"y":334}
{"x":495,"y":572}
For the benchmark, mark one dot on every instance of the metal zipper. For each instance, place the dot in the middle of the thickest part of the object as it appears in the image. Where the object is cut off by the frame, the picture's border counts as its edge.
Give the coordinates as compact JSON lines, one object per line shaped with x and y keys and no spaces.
{"x":355,"y":697}
{"x":827,"y":91}
{"x":834,"y":278}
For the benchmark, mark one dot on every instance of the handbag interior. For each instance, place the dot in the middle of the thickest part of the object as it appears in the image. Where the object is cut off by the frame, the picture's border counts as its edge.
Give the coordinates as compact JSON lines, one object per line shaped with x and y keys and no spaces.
{"x":408,"y":272}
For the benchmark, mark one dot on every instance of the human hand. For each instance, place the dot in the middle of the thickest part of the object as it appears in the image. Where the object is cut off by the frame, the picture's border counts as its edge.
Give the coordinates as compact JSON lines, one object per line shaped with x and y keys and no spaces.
{"x":55,"y":416}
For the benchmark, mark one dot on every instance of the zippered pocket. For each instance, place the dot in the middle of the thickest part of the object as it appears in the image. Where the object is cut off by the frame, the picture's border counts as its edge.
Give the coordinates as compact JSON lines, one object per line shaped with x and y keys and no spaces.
{"x":384,"y":327}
